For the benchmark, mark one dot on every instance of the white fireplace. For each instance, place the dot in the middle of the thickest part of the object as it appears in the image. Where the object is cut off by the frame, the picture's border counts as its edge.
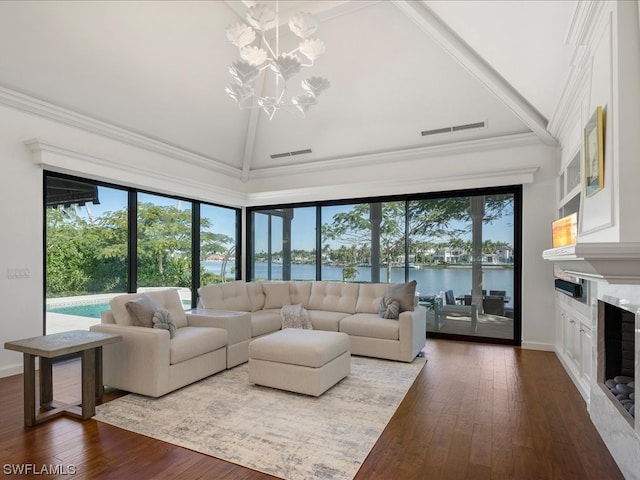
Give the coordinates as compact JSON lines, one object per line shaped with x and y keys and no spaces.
{"x":613,"y":271}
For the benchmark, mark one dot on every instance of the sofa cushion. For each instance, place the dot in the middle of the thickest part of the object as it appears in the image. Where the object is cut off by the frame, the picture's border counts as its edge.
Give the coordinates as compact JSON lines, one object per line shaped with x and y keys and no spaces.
{"x":276,"y":294}
{"x":369,"y":296}
{"x":225,"y":296}
{"x":265,"y":321}
{"x":370,"y":325}
{"x":300,"y":291}
{"x":404,"y":293}
{"x":334,"y":296}
{"x":165,"y":298}
{"x":256,"y":295}
{"x":323,"y":320}
{"x":170,"y":299}
{"x":141,"y":310}
{"x":191,"y":342}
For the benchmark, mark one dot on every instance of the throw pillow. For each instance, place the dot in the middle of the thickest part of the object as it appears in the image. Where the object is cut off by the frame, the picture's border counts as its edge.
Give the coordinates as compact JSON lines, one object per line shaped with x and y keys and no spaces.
{"x":389,"y":308}
{"x":295,"y":316}
{"x":276,"y":295}
{"x":404,"y":293}
{"x":141,"y":310}
{"x":163,"y":319}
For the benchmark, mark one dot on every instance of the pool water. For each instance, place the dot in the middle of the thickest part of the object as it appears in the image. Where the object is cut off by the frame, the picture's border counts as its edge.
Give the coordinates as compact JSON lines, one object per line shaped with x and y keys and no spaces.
{"x":91,"y":310}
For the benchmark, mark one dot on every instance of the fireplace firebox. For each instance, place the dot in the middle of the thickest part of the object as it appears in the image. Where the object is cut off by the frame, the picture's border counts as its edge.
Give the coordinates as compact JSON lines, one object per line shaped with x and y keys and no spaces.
{"x":618,"y":355}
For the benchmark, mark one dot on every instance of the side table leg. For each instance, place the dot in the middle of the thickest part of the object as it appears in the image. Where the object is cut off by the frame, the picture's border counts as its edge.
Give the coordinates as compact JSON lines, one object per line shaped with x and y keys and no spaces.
{"x":29,"y":378}
{"x":98,"y":375}
{"x":46,"y":381}
{"x":88,"y":383}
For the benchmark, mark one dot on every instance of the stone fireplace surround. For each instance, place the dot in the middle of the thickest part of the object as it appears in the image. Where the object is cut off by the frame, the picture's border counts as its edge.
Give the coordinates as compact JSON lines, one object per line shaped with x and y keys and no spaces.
{"x":620,"y":432}
{"x":613,"y":270}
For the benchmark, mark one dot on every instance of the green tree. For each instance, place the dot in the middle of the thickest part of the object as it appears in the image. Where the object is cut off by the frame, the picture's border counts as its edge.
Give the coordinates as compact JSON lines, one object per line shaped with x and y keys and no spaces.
{"x":424,"y":220}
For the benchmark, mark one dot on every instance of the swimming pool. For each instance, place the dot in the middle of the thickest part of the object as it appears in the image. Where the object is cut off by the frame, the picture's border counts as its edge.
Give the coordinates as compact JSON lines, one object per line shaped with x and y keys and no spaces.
{"x":90,"y":310}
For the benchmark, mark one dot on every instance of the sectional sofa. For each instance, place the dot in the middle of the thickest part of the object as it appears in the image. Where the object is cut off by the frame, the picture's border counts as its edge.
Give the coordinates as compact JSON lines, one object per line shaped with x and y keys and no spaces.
{"x":154,"y":361}
{"x":351,"y":308}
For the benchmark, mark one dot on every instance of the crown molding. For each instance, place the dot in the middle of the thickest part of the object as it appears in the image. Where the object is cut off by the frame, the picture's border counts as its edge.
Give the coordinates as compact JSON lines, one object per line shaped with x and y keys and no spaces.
{"x":28,"y":104}
{"x":48,"y":155}
{"x":431,"y":24}
{"x":489,"y":178}
{"x":404,"y":155}
{"x":580,"y":36}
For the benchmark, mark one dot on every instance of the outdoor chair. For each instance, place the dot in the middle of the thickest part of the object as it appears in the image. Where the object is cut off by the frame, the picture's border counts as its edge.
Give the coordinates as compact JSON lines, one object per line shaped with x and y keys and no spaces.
{"x":494,"y":305}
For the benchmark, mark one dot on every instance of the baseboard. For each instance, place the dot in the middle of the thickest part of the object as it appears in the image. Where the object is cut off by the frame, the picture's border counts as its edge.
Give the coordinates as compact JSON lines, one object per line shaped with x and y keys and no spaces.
{"x":546,"y":347}
{"x":11,"y":370}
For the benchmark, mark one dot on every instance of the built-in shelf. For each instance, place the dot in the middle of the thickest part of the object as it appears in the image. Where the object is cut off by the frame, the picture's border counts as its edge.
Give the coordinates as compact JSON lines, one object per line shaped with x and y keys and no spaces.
{"x":570,"y":187}
{"x":613,"y":262}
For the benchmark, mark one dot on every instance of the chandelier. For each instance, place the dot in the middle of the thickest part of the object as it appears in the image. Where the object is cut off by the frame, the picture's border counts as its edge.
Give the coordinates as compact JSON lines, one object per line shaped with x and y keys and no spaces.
{"x":260,"y":56}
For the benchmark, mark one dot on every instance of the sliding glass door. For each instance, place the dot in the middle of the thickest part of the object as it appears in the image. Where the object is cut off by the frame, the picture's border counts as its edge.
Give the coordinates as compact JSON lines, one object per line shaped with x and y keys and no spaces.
{"x":461,"y":248}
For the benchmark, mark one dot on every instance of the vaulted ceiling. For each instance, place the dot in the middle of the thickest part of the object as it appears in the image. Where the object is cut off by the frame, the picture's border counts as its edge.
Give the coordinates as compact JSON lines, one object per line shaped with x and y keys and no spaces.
{"x":159,"y":69}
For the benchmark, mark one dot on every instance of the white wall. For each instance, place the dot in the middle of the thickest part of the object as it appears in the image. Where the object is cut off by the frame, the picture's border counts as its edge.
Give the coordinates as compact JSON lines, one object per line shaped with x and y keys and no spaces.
{"x":72,"y":150}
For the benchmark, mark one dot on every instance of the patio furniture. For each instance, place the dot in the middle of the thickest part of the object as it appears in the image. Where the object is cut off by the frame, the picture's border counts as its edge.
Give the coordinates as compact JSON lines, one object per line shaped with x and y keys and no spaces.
{"x":494,"y":305}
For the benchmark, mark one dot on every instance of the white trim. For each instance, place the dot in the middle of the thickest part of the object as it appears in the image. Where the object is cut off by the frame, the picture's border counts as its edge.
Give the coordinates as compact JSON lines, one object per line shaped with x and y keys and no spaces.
{"x":45,"y":154}
{"x":543,"y":347}
{"x":384,"y":157}
{"x":486,"y":178}
{"x":10,"y":370}
{"x":431,"y":24}
{"x":25,"y":103}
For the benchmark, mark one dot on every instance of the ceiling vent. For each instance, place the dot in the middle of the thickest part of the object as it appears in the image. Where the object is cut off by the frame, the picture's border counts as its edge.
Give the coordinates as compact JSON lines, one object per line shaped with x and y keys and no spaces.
{"x":455,"y":128}
{"x":291,"y":154}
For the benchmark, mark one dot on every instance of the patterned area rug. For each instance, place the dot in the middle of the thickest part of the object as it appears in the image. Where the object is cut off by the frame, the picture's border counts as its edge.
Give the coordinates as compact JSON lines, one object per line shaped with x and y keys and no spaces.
{"x":292,"y":436}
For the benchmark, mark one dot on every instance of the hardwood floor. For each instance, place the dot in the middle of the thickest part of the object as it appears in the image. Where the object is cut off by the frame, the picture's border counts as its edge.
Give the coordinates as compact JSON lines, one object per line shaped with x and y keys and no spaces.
{"x":476,"y":411}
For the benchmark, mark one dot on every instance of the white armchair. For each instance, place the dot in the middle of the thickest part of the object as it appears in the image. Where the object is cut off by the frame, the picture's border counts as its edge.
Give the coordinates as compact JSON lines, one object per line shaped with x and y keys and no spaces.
{"x":151,"y":363}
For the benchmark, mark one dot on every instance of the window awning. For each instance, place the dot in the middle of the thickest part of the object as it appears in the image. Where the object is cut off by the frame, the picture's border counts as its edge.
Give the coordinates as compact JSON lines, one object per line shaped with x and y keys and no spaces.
{"x":65,"y":192}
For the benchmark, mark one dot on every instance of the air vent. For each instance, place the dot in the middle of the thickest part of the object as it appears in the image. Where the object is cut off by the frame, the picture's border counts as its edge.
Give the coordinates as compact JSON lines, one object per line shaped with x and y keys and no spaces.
{"x":455,"y":128}
{"x":291,"y":154}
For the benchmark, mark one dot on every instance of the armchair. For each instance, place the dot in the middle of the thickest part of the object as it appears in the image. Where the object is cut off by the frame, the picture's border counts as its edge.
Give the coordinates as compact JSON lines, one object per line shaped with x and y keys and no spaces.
{"x":148,"y":361}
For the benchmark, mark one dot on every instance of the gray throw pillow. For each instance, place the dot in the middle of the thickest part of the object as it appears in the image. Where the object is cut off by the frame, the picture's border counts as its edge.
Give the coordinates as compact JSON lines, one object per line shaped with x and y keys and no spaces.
{"x":162,"y":319}
{"x":389,"y":308}
{"x":141,"y":310}
{"x":404,"y":293}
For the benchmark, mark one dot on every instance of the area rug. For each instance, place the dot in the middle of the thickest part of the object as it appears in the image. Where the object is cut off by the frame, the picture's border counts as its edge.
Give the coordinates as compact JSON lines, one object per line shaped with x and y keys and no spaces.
{"x":292,"y":436}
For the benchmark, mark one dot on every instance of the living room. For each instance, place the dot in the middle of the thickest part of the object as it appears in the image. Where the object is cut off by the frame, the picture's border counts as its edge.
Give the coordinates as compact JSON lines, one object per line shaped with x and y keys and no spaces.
{"x":51,"y":123}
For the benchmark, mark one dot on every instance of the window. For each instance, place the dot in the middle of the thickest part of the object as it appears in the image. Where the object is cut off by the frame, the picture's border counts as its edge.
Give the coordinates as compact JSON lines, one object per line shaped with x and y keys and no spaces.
{"x":463,"y":242}
{"x":102,"y":240}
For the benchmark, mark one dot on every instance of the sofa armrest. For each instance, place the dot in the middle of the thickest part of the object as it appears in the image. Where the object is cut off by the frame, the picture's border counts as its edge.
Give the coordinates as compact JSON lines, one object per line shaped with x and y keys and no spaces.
{"x":140,"y":362}
{"x":237,"y":324}
{"x":413,"y":332}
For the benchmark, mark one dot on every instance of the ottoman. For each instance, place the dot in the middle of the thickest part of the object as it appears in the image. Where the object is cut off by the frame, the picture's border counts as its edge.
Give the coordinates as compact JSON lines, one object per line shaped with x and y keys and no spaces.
{"x":301,"y":361}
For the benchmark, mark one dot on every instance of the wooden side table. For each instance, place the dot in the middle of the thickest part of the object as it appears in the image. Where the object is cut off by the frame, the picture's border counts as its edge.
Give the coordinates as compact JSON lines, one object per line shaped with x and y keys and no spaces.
{"x":48,"y":347}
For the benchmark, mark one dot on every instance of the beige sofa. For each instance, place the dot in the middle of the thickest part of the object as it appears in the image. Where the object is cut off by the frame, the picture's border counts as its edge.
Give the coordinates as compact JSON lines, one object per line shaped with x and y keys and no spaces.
{"x":351,"y":308}
{"x":151,"y":363}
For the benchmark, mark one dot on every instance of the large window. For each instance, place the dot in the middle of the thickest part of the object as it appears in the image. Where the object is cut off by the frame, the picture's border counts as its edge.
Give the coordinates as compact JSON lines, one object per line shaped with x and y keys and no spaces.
{"x":462,"y":248}
{"x":102,"y":240}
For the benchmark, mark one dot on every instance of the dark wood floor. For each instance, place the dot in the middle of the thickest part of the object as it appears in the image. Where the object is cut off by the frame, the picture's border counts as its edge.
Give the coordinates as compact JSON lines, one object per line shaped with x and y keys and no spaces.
{"x":475,"y":412}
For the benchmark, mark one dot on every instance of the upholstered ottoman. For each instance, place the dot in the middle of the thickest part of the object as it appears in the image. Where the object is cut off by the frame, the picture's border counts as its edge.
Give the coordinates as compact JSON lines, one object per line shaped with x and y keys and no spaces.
{"x":302,"y":361}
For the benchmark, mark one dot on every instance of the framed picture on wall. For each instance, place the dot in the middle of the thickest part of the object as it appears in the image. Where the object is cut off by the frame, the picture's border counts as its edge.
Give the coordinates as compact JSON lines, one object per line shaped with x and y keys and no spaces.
{"x":594,"y":153}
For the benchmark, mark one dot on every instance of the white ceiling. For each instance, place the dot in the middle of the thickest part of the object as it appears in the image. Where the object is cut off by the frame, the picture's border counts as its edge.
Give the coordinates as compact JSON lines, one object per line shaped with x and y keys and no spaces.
{"x":159,"y":69}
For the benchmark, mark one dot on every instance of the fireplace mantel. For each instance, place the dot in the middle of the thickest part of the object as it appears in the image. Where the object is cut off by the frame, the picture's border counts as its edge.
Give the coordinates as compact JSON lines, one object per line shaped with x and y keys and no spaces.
{"x":614,"y":262}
